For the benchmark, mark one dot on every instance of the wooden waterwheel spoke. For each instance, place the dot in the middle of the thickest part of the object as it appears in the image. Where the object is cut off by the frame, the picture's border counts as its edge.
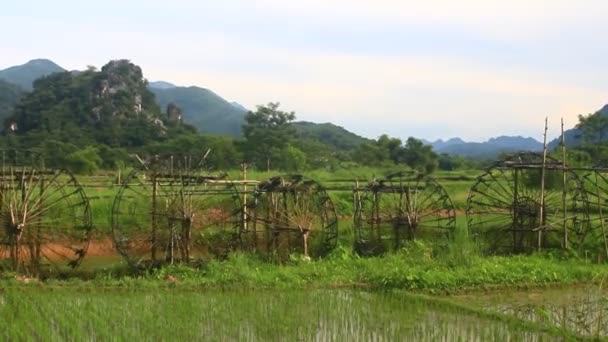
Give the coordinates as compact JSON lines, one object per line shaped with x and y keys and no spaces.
{"x":520,"y":194}
{"x":504,"y":184}
{"x":42,"y":209}
{"x":403,"y":206}
{"x":296,"y":214}
{"x":494,"y":199}
{"x":176,"y":202}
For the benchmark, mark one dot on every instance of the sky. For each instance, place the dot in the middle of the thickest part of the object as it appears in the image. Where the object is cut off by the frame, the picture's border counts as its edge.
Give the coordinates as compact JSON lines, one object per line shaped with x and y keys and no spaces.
{"x":430,"y":69}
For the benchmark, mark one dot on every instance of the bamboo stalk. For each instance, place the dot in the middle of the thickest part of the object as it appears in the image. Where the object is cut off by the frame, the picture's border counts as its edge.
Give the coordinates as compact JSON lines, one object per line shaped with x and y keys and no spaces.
{"x":244,"y":218}
{"x":599,"y":204}
{"x":515,"y":208}
{"x":542,"y":186}
{"x":564,"y":192}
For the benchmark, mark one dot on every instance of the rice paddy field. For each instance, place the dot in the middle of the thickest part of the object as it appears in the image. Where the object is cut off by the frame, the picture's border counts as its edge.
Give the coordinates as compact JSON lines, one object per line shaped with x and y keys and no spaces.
{"x":59,"y":314}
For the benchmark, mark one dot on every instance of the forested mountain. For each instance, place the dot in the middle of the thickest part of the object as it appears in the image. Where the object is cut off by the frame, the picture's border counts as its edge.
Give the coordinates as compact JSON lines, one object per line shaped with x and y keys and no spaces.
{"x":25,"y":75}
{"x":111,"y":107}
{"x":574,"y":136}
{"x":10,"y":94}
{"x":329,"y":134}
{"x":203,"y":109}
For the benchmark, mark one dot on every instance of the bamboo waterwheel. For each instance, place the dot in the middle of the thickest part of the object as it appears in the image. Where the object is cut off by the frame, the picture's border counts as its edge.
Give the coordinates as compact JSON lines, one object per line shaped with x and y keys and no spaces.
{"x":596,"y":185}
{"x":508,"y":213}
{"x":402,"y":206}
{"x":45,"y":215}
{"x":175,"y":210}
{"x":290,"y":215}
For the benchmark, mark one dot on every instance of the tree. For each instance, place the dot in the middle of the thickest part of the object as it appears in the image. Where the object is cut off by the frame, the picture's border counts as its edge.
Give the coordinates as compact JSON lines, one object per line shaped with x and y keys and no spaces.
{"x":85,"y":161}
{"x":265,"y":130}
{"x":290,"y":159}
{"x":594,"y":127}
{"x":370,"y":154}
{"x":394,"y":148}
{"x":420,"y":156}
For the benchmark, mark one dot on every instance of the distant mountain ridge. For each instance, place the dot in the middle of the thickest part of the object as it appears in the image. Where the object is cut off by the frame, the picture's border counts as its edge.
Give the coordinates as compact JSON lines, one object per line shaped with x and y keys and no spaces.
{"x":24,"y":75}
{"x":488,"y":149}
{"x":438,"y":144}
{"x":161,"y":85}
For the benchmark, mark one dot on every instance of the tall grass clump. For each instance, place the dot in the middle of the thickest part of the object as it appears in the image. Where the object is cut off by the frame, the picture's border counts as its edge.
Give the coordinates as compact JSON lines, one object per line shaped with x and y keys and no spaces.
{"x":461,"y":251}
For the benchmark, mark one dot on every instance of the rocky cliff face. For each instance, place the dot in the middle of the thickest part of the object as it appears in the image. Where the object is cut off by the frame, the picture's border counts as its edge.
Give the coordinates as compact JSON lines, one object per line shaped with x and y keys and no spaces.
{"x":112,"y":105}
{"x":120,"y":92}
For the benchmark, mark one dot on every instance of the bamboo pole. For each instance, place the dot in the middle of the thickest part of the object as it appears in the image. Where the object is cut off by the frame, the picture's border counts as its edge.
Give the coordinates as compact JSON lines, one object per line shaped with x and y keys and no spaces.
{"x":564,"y":192}
{"x":154,"y":216}
{"x":602,"y":225}
{"x":516,"y":217}
{"x":542,"y":186}
{"x":244,"y":166}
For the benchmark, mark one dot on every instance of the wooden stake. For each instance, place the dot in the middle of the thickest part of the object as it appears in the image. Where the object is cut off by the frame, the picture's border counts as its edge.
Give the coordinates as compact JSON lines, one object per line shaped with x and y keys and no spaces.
{"x":542,"y":186}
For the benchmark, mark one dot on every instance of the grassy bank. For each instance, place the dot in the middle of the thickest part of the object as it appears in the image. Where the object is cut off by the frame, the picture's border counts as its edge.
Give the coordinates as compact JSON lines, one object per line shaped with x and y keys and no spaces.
{"x":416,"y":268}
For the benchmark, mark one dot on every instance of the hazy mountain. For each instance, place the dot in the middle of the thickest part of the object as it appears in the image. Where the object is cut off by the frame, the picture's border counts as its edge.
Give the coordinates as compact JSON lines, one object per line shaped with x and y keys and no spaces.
{"x":329,"y":134}
{"x":239,"y":106}
{"x":25,"y":75}
{"x":488,"y":149}
{"x":203,"y":109}
{"x":161,"y":85}
{"x":439,"y":144}
{"x":517,"y":143}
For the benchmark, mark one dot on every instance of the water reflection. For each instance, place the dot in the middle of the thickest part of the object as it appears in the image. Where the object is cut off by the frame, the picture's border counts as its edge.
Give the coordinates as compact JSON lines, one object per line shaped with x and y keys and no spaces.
{"x":346,"y":316}
{"x":580,"y":310}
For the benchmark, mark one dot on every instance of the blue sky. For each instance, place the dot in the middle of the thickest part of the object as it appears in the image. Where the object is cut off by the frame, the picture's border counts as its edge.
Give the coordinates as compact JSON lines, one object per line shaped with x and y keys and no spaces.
{"x":430,"y":69}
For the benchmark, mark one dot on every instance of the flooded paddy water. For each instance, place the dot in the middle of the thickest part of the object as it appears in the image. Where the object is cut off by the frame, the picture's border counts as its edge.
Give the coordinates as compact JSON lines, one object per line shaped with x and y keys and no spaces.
{"x":301,"y":315}
{"x":581,"y":310}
